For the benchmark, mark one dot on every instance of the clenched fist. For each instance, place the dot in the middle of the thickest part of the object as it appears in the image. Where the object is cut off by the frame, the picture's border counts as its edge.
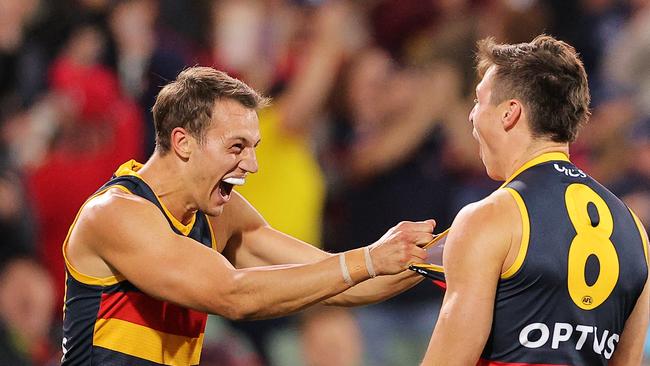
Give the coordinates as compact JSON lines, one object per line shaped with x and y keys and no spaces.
{"x":401,"y":246}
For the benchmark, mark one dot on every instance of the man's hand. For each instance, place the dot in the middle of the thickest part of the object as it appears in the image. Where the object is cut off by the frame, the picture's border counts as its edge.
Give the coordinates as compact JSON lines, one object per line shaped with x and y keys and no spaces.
{"x":401,"y":246}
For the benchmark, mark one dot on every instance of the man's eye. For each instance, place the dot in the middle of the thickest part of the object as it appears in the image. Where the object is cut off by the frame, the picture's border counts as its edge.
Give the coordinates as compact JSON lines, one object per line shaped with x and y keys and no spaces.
{"x":237,"y":147}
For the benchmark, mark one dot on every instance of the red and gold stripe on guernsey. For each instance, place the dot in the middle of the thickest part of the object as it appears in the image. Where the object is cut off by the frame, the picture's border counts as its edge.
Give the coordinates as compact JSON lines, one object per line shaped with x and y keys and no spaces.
{"x":138,"y":325}
{"x":497,"y":363}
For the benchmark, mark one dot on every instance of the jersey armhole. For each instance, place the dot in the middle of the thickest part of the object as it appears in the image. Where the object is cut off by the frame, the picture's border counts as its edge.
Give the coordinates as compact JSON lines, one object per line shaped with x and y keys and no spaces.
{"x":525,"y":236}
{"x":642,"y":232}
{"x":77,"y":275}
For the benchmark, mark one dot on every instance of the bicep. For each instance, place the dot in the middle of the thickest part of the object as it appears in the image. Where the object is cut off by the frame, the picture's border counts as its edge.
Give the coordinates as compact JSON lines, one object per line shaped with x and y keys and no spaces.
{"x":159,"y":262}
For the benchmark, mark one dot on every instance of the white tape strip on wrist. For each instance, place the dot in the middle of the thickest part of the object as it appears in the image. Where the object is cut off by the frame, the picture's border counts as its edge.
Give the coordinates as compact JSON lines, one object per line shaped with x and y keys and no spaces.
{"x":369,"y":266}
{"x":344,"y":270}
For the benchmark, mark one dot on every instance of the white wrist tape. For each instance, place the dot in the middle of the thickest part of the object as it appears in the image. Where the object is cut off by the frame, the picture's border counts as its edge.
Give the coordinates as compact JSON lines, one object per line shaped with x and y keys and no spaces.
{"x":344,"y":270}
{"x":369,"y":266}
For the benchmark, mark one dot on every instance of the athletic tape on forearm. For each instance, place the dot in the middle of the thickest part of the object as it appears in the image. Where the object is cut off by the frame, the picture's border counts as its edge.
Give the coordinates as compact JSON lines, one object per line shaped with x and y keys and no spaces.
{"x":356,"y":265}
{"x":369,"y":266}
{"x":344,"y":270}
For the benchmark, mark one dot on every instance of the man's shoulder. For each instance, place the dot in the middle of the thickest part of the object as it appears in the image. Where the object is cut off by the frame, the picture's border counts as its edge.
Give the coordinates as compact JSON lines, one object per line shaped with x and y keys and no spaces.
{"x":106,"y":222}
{"x":487,"y":224}
{"x":112,"y":206}
{"x":480,"y":239}
{"x":498,"y":207}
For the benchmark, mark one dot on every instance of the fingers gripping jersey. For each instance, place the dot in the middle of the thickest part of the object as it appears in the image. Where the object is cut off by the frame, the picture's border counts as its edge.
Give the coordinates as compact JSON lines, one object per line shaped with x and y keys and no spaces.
{"x":109,"y":321}
{"x":582,"y":266}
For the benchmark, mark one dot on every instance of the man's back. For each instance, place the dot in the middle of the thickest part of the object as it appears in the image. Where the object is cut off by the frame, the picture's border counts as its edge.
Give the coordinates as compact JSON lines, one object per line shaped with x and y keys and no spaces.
{"x":580,"y":269}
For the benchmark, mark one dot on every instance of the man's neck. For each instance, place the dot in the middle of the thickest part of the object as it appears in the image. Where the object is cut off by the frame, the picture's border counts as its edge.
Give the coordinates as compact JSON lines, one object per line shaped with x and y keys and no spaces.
{"x":532,"y":151}
{"x":164,"y":177}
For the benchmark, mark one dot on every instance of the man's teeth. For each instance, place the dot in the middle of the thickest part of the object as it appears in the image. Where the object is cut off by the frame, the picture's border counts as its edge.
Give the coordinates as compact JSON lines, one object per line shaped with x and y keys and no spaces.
{"x":235,"y":181}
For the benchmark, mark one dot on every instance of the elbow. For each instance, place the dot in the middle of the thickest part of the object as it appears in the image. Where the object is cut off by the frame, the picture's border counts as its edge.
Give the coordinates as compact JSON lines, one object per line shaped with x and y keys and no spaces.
{"x":233,"y":303}
{"x":232,"y":307}
{"x":233,"y":313}
{"x":240,"y":311}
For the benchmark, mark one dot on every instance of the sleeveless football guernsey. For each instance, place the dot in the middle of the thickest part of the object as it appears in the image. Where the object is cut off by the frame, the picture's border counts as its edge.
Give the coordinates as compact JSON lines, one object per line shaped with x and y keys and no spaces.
{"x":108,"y":321}
{"x":581,"y":266}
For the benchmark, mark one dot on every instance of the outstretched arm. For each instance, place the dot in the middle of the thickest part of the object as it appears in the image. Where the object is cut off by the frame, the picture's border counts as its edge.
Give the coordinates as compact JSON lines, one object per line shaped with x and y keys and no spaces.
{"x":475,"y":251}
{"x":177,"y":269}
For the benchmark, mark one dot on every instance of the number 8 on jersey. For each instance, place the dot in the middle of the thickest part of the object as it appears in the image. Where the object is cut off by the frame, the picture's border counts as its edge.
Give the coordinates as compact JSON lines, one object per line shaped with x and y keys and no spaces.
{"x":593,"y":232}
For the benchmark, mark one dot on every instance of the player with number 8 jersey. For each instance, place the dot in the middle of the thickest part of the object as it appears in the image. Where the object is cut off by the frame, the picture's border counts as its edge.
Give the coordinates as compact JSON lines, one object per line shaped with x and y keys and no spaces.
{"x":552,"y":268}
{"x":567,"y":308}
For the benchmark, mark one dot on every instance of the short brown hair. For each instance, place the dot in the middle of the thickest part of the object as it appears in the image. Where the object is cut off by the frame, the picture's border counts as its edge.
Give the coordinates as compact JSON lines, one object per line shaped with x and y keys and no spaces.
{"x":547,"y":76}
{"x":189,"y":100}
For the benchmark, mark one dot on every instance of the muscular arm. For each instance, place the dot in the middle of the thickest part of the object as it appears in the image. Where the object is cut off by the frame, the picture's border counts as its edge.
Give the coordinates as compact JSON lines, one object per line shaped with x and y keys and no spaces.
{"x":177,"y":269}
{"x":475,"y":251}
{"x":630,"y":348}
{"x":252,"y":242}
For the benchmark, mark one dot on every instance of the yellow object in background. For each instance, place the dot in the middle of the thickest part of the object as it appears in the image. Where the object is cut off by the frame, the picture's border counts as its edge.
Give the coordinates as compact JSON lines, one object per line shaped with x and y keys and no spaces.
{"x":289,"y":188}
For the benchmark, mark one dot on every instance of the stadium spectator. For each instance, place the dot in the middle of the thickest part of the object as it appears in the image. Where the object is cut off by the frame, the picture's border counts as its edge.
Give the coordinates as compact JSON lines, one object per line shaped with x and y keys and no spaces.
{"x":146,"y":56}
{"x":633,"y":183}
{"x":26,"y":300}
{"x":99,"y":129}
{"x":385,"y":160}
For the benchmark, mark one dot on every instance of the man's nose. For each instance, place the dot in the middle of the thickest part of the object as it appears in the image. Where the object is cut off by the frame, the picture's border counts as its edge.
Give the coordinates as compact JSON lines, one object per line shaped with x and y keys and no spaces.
{"x":249,"y":161}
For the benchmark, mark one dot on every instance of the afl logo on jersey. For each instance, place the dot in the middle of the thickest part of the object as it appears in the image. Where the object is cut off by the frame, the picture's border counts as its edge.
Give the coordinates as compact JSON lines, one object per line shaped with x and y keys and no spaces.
{"x":587,"y":300}
{"x":570,"y":172}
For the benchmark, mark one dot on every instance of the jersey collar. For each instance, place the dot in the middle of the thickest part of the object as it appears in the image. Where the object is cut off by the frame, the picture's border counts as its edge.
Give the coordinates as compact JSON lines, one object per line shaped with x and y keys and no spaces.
{"x":546,"y":157}
{"x":131,"y":168}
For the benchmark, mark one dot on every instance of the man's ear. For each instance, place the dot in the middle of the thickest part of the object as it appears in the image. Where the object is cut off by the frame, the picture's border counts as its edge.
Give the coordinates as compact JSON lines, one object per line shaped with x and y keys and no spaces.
{"x":511,"y":115}
{"x":181,"y":142}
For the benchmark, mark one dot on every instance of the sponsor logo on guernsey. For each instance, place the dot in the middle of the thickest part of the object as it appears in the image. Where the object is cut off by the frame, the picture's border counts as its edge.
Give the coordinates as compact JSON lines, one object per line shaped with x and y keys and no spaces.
{"x":536,"y":335}
{"x":570,"y":172}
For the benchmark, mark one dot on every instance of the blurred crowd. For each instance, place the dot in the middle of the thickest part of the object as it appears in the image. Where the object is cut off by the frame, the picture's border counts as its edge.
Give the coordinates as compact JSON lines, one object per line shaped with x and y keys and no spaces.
{"x":368,"y":127}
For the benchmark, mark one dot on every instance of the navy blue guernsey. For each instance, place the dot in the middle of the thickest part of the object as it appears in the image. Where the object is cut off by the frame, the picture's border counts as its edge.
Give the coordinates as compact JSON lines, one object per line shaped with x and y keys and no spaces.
{"x":109,"y":321}
{"x":581,"y":266}
{"x":584,"y":267}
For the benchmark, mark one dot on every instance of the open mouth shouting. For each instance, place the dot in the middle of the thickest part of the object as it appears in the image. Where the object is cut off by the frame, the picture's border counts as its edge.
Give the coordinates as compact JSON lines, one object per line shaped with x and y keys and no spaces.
{"x":226,"y":185}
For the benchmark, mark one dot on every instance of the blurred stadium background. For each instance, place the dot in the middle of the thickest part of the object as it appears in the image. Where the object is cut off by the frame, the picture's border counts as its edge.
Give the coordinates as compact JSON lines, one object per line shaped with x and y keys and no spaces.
{"x":369,"y":127}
